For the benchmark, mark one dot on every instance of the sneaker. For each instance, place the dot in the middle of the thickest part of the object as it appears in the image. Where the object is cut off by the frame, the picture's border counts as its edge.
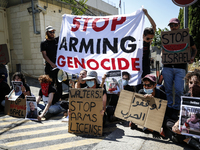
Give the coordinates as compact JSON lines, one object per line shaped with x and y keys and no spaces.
{"x":65,"y":119}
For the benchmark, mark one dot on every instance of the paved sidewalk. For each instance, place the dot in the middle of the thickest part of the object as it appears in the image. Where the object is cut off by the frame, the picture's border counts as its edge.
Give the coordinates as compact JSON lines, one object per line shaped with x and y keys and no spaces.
{"x":123,"y":138}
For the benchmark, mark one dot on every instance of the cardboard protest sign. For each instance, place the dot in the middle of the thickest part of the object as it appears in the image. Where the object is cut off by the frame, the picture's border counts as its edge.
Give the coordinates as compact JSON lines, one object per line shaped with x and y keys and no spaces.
{"x":85,"y":106}
{"x":15,"y":108}
{"x":102,"y":43}
{"x":176,"y":46}
{"x":4,"y":56}
{"x":190,"y":116}
{"x":147,"y":112}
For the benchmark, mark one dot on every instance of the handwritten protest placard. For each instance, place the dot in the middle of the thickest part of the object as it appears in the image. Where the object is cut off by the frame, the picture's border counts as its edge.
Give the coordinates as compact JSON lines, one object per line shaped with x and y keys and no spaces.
{"x":16,"y":108}
{"x":176,"y":46}
{"x":4,"y":57}
{"x":147,"y":112}
{"x":85,"y":106}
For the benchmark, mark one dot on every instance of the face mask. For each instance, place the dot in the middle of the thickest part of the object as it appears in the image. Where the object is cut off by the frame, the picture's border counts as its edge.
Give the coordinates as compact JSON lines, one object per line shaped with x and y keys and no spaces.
{"x":90,"y":83}
{"x":148,"y":91}
{"x":125,"y":82}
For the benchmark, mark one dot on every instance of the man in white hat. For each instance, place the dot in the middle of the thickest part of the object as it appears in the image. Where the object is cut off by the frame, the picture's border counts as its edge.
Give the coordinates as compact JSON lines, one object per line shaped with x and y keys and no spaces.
{"x":48,"y":48}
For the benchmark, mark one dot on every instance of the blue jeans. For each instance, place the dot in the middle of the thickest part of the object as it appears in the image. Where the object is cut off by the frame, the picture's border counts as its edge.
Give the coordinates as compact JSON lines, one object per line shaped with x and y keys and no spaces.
{"x":53,"y":109}
{"x":176,"y":76}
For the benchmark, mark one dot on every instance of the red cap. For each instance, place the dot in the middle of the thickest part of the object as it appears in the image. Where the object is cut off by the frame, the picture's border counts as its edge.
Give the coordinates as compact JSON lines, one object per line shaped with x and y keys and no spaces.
{"x":150,"y":77}
{"x":174,"y":20}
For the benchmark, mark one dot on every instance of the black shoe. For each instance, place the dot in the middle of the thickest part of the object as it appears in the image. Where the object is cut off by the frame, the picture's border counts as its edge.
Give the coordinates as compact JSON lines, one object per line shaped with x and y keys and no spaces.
{"x":133,"y":126}
{"x":194,"y":143}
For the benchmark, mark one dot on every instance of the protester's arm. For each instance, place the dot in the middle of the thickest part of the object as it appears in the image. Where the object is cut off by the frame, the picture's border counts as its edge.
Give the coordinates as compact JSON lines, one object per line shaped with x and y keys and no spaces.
{"x":150,"y":19}
{"x":194,"y":52}
{"x":103,"y":80}
{"x":50,"y":99}
{"x":104,"y":102}
{"x":38,"y":99}
{"x":44,"y":54}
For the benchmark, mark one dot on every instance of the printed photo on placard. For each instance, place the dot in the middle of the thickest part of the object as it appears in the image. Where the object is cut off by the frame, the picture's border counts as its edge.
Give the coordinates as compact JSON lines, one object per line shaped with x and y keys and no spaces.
{"x":17,"y":86}
{"x":113,"y":82}
{"x":189,"y":122}
{"x":31,"y":108}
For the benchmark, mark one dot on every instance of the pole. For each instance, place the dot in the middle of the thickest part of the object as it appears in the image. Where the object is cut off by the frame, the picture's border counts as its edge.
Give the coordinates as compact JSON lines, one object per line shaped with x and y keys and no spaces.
{"x":124,"y":7}
{"x":185,"y":17}
{"x":186,"y":26}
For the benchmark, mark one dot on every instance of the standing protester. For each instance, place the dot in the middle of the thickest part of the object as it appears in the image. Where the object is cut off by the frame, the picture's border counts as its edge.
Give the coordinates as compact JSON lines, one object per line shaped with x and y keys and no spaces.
{"x":49,"y":51}
{"x":148,"y":36}
{"x":175,"y":73}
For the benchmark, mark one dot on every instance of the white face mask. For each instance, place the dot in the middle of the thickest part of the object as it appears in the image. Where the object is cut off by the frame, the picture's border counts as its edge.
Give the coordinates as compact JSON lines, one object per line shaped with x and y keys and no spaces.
{"x":90,"y":83}
{"x":148,"y":91}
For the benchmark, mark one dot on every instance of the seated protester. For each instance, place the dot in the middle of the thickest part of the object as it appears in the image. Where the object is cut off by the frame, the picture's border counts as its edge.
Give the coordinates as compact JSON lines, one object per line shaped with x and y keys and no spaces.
{"x":114,"y":97}
{"x":81,"y":83}
{"x":50,"y":98}
{"x":4,"y":90}
{"x":193,"y":81}
{"x":149,"y":90}
{"x":18,"y":76}
{"x":93,"y":82}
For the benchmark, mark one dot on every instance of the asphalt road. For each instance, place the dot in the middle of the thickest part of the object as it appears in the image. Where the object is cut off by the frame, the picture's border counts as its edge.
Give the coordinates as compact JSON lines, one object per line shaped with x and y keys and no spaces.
{"x":18,"y":133}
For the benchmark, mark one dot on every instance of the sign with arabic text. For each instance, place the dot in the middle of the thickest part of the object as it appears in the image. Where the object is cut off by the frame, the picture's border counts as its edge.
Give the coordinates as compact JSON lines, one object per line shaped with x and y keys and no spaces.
{"x":147,"y":112}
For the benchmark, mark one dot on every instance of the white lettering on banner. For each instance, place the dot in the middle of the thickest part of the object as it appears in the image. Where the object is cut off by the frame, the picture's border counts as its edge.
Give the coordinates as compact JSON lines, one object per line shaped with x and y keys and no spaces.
{"x":102,"y":44}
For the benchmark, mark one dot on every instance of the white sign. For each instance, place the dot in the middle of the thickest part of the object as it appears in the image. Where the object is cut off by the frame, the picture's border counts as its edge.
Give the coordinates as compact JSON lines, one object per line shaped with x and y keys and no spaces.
{"x":102,"y":43}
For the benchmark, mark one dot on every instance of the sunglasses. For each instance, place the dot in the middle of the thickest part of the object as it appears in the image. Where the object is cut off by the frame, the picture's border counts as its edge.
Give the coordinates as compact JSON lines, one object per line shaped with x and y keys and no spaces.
{"x":149,"y":39}
{"x":173,"y":25}
{"x":52,"y":32}
{"x":147,"y":85}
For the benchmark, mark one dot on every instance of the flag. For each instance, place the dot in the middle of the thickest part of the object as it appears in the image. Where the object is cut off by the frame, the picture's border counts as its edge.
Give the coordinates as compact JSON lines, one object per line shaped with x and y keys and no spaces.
{"x":119,"y":3}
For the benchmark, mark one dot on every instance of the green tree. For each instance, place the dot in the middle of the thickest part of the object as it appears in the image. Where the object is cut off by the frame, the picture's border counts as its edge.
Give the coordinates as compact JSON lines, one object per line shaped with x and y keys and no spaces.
{"x":78,"y":7}
{"x":193,"y":23}
{"x":157,"y":38}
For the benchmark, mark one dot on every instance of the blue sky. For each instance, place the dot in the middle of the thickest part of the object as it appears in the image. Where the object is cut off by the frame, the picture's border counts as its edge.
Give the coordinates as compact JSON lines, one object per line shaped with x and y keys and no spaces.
{"x":160,"y":10}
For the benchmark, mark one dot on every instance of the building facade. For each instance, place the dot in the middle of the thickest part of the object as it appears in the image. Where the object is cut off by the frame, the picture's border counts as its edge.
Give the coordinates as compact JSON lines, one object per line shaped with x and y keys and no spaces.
{"x":23,"y":28}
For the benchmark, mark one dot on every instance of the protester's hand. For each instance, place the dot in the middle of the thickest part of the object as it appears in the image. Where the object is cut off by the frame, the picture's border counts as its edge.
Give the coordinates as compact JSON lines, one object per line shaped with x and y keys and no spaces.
{"x":102,"y":112}
{"x":23,"y":89}
{"x":148,"y":95}
{"x":53,"y":65}
{"x":145,"y":11}
{"x":191,"y":60}
{"x":176,"y":129}
{"x":39,"y":117}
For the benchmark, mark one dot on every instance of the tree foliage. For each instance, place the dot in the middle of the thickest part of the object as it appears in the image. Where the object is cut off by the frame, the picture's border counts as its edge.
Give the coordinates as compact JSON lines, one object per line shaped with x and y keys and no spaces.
{"x":193,"y":23}
{"x":157,"y":38}
{"x":78,"y":7}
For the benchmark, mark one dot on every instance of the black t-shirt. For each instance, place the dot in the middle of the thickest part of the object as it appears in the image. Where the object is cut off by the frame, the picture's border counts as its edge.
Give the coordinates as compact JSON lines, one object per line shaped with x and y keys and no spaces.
{"x":50,"y":46}
{"x":159,"y":94}
{"x":183,"y":65}
{"x":129,"y":88}
{"x":51,"y":90}
{"x":146,"y":59}
{"x":83,"y":85}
